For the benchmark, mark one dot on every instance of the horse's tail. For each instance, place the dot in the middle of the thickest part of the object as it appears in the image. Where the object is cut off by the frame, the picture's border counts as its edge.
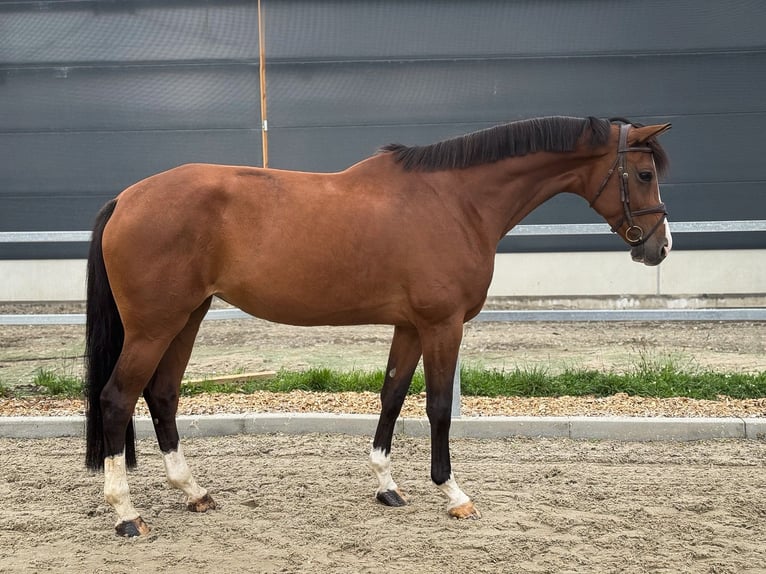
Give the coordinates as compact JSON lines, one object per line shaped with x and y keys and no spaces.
{"x":104,"y":336}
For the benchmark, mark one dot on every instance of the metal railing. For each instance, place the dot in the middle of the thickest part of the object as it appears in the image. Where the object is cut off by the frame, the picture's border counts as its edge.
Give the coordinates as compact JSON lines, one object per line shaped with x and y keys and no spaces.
{"x":553,"y":316}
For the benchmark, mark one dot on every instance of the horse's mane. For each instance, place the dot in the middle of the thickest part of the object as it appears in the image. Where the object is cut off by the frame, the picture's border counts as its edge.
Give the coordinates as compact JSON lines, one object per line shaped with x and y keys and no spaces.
{"x":551,"y":134}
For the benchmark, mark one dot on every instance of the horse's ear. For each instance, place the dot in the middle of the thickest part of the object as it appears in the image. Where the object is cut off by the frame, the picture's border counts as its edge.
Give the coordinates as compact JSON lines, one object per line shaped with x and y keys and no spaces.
{"x":641,"y":135}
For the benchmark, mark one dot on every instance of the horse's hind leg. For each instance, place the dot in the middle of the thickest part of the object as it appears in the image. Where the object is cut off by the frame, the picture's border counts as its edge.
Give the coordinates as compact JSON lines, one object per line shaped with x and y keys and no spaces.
{"x":138,"y":360}
{"x":162,"y":398}
{"x":402,"y":361}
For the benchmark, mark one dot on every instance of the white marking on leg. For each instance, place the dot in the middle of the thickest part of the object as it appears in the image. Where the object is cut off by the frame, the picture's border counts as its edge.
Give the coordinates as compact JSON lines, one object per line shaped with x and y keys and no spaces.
{"x":116,"y":490}
{"x":380,"y":462}
{"x":180,"y":477}
{"x":456,"y":496}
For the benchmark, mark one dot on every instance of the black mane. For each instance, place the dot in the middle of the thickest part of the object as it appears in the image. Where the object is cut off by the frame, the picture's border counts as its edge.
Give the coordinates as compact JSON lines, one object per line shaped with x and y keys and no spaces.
{"x":551,"y":134}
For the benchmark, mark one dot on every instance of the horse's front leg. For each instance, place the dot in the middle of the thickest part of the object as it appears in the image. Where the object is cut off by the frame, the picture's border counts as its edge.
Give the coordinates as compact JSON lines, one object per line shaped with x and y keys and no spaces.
{"x":441,"y":344}
{"x":402,"y":361}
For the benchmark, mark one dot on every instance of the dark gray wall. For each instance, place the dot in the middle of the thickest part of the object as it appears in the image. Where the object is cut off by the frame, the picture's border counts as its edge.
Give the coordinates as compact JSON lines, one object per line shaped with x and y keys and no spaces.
{"x":97,"y":95}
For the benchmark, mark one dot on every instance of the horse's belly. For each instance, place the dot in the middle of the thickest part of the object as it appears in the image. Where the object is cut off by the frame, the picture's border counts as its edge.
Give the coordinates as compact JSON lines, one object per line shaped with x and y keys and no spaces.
{"x":298,"y":305}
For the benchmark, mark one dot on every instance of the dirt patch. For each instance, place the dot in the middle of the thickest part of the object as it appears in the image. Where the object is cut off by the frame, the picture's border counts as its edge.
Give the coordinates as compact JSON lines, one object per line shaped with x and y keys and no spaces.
{"x":306,"y":504}
{"x":226,"y":347}
{"x":619,"y":404}
{"x":249,"y":345}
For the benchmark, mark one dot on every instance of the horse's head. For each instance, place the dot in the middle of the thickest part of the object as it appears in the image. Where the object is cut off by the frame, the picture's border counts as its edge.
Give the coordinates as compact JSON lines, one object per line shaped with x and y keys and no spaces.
{"x":628,"y":196}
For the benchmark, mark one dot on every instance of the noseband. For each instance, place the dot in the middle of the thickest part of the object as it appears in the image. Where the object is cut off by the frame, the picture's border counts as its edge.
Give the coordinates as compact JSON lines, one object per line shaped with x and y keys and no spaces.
{"x":634,"y":234}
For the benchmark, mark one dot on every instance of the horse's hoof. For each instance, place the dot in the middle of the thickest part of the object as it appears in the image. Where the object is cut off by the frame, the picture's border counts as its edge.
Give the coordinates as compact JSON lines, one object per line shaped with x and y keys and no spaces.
{"x":132,"y":528}
{"x":391,"y":498}
{"x":465,"y":511}
{"x":202,"y":505}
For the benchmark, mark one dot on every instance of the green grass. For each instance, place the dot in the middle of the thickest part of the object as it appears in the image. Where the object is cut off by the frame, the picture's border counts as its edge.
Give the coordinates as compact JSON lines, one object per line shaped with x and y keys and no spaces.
{"x":58,"y":384}
{"x":5,"y":390}
{"x":661,"y":382}
{"x":660,"y":379}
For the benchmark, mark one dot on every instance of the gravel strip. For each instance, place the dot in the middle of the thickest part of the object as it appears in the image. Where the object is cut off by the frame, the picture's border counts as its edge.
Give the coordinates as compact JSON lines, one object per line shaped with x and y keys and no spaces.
{"x":369,"y":403}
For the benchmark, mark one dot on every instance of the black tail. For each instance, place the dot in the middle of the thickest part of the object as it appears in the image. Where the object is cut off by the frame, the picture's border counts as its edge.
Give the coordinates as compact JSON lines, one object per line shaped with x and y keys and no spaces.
{"x":104,"y":336}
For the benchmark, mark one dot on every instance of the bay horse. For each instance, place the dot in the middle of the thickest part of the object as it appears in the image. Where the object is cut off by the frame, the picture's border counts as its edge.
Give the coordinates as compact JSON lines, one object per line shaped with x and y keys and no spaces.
{"x":406,"y":237}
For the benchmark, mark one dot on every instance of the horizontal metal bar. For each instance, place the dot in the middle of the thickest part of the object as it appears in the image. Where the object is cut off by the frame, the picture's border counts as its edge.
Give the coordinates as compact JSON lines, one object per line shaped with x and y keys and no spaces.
{"x":44,"y":319}
{"x":734,"y":226}
{"x":556,"y":316}
{"x":553,"y":316}
{"x":44,"y":236}
{"x":561,"y":229}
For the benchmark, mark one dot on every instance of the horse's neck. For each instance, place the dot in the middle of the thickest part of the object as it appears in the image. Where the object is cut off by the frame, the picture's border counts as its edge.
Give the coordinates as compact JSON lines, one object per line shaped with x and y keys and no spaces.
{"x":505,"y":192}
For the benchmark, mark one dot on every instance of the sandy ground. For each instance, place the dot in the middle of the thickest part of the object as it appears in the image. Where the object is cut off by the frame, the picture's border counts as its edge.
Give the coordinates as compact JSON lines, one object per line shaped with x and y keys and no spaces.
{"x":306,"y":504}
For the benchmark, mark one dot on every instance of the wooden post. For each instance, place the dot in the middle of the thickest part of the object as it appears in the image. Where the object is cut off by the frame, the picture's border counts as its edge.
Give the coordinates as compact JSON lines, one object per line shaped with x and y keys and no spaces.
{"x":262,"y":75}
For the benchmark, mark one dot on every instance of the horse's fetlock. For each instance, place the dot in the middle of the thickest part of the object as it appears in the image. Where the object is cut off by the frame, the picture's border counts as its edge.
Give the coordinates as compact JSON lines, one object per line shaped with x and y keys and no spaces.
{"x":439,"y":478}
{"x":116,"y":495}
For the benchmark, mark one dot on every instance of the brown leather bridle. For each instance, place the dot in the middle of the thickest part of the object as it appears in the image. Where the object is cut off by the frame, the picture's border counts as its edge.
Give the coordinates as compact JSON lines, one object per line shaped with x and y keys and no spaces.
{"x":634,"y":234}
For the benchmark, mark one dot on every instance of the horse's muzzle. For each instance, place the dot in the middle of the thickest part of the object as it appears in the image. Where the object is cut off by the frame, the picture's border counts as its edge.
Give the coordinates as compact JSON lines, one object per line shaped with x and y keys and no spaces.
{"x":652,"y":252}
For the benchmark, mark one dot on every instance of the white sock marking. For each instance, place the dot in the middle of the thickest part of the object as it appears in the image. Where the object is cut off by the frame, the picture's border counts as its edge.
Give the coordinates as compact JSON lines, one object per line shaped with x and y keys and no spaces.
{"x":454,"y":494}
{"x":180,"y":477}
{"x":116,"y":490}
{"x":380,"y":462}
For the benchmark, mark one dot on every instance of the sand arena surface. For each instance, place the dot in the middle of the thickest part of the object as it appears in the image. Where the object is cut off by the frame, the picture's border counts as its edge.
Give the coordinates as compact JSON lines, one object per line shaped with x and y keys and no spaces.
{"x":306,"y":504}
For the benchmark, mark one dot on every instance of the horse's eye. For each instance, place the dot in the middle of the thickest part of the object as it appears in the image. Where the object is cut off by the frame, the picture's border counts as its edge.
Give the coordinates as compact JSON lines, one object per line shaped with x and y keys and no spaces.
{"x":645,"y":176}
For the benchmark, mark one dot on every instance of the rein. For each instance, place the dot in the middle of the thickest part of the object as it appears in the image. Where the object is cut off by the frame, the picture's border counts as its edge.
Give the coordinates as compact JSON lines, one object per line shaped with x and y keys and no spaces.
{"x":634,"y":234}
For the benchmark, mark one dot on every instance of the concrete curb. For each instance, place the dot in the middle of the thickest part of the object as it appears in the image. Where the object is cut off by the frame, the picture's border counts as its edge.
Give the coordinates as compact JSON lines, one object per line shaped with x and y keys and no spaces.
{"x":584,"y":428}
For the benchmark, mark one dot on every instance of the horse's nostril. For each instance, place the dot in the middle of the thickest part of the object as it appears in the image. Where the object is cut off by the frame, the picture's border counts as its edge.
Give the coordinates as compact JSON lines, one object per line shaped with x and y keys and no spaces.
{"x":665,"y":247}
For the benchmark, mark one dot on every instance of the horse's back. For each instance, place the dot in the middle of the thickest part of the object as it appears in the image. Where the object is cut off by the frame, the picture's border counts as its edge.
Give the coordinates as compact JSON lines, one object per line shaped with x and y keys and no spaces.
{"x":265,"y":240}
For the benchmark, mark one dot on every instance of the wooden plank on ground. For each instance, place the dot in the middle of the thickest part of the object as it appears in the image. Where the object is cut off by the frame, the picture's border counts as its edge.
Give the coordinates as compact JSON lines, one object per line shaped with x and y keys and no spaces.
{"x":239,"y":379}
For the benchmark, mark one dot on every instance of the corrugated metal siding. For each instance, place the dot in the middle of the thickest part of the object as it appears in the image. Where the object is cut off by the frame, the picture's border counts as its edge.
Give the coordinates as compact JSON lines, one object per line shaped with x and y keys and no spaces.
{"x":97,"y":95}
